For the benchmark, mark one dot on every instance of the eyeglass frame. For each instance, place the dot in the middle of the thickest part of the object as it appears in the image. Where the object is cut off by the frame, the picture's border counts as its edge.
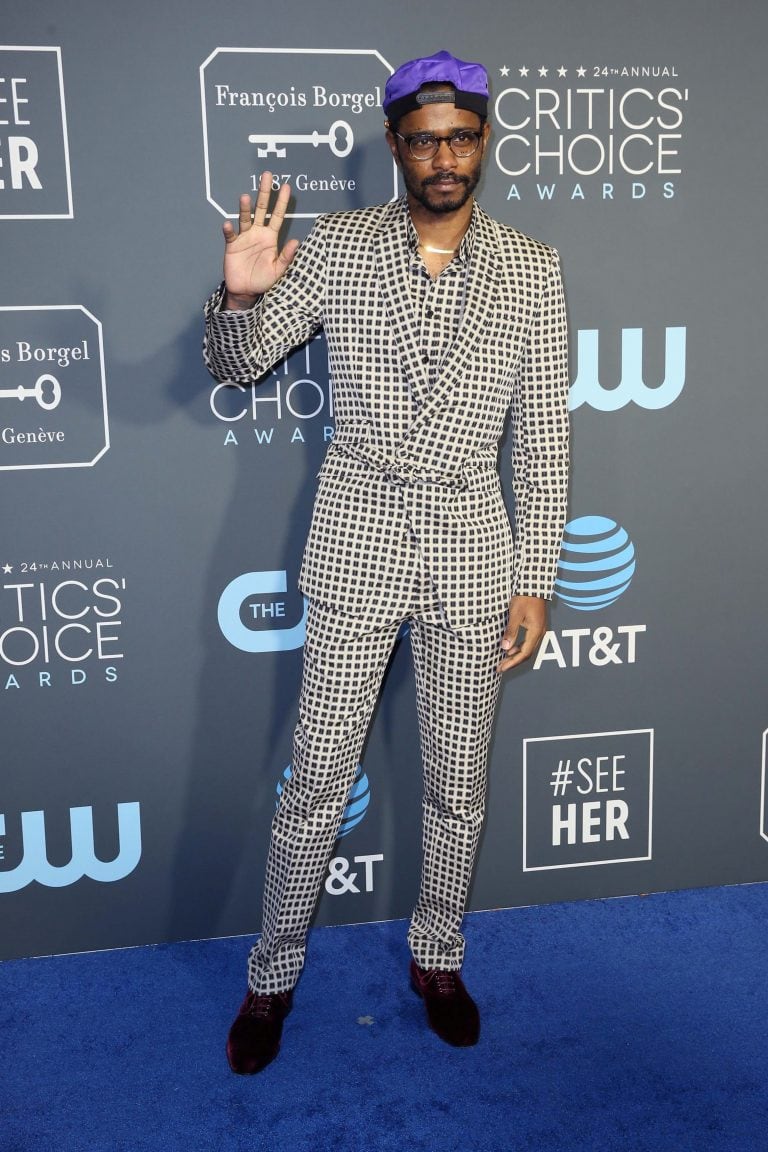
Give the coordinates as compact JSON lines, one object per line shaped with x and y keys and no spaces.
{"x":478,"y":132}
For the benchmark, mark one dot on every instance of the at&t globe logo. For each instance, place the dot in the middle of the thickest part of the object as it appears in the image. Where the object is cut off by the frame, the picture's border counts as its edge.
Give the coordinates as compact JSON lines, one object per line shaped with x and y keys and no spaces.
{"x":357,"y":802}
{"x":597,"y":563}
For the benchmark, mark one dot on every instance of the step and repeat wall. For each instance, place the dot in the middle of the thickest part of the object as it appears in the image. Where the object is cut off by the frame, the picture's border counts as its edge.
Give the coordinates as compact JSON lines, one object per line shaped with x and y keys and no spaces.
{"x":153,"y":520}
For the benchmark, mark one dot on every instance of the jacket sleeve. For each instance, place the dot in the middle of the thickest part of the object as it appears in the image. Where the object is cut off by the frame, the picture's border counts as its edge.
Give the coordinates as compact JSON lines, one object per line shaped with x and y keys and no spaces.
{"x":241,"y":346}
{"x":540,"y":444}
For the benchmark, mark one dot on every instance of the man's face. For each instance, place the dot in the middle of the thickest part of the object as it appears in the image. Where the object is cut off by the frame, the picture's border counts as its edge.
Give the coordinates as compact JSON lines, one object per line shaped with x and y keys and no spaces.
{"x":445,"y":182}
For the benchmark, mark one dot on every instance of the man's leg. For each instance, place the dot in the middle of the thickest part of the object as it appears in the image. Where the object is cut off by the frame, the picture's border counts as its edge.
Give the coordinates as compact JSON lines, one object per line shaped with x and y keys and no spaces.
{"x":344,"y":662}
{"x":457,"y":690}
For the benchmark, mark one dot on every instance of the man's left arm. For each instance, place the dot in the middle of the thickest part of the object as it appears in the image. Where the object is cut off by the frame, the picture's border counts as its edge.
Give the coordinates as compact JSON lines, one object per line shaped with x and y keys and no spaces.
{"x":540,"y":478}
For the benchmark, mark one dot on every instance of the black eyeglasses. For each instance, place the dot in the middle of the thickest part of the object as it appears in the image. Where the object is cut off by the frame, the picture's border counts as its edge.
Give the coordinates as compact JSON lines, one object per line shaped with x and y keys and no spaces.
{"x":424,"y":145}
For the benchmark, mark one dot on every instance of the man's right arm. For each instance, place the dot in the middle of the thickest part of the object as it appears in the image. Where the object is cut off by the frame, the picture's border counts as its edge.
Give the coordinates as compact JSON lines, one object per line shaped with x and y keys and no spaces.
{"x":270,"y":300}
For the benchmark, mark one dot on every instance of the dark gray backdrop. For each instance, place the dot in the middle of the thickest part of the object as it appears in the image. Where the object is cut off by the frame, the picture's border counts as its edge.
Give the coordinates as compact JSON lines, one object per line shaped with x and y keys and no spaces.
{"x":630,"y":758}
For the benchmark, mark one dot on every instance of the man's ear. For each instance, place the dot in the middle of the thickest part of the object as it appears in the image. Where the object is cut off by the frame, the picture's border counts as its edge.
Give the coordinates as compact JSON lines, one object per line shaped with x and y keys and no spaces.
{"x":392,"y":141}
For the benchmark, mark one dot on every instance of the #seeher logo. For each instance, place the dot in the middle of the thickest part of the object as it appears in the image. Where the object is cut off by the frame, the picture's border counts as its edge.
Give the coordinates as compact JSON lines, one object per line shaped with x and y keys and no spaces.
{"x":597,"y":563}
{"x":357,"y":802}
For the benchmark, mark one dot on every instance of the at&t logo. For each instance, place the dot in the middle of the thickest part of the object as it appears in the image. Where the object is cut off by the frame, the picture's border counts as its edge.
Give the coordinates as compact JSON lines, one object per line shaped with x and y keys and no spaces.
{"x":597,"y":563}
{"x":357,"y":802}
{"x":342,"y":876}
{"x":587,"y":388}
{"x":34,"y":863}
{"x":596,"y":567}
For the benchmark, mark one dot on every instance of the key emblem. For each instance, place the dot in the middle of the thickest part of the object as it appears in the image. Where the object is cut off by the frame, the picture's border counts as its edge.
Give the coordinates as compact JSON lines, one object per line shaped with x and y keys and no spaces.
{"x":47,"y":392}
{"x":339,"y":139}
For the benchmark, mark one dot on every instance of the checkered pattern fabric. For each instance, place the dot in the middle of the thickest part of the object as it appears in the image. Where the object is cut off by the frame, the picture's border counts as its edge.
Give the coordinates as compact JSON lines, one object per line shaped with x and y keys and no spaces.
{"x":409,"y":523}
{"x":399,"y":422}
{"x":457,"y":688}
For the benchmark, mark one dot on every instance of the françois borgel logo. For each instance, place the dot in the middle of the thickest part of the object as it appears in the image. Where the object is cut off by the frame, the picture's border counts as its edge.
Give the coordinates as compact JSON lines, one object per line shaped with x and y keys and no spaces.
{"x":587,"y":799}
{"x":53,"y":403}
{"x":34,"y":152}
{"x":311,"y":116}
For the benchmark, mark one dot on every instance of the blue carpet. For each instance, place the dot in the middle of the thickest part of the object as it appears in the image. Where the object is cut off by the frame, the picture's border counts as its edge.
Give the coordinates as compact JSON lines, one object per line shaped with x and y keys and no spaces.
{"x":629,"y":1025}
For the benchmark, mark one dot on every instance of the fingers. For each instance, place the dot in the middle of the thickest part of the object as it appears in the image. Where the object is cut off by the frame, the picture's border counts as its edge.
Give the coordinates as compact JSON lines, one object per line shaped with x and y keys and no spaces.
{"x":244,"y":214}
{"x":262,"y":199}
{"x":286,"y":256}
{"x":518,"y":653}
{"x":256,"y":216}
{"x":280,"y":208}
{"x":510,"y":649}
{"x":526,"y":625}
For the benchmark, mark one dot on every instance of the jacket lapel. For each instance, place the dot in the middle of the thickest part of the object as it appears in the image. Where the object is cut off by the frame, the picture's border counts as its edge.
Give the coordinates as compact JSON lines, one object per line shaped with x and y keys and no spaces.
{"x":393,"y":270}
{"x":481,"y":303}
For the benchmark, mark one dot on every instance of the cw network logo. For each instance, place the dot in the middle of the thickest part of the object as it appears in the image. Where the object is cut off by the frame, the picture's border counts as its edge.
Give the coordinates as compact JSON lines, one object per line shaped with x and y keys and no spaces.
{"x":357,"y":802}
{"x":34,"y":864}
{"x":253,"y":595}
{"x":587,"y":389}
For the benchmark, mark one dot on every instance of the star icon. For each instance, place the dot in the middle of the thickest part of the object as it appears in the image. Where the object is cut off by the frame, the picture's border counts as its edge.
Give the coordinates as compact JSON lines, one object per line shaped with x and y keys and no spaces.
{"x":543,"y":71}
{"x":581,"y":71}
{"x":524,"y":71}
{"x":562,"y":71}
{"x":7,"y":569}
{"x":504,"y":71}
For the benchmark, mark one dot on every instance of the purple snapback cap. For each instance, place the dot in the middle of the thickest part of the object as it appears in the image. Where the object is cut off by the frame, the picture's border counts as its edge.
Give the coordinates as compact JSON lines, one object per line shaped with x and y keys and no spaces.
{"x":470,"y":84}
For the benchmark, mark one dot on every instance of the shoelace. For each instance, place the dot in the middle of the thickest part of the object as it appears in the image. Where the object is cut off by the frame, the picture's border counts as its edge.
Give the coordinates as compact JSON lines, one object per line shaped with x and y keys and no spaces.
{"x":261,"y":1006}
{"x":445,"y":983}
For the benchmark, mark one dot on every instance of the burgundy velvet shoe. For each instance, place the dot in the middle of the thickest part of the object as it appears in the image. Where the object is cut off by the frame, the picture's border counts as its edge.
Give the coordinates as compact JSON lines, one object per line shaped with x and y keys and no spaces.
{"x":254,"y":1038}
{"x":451,"y":1011}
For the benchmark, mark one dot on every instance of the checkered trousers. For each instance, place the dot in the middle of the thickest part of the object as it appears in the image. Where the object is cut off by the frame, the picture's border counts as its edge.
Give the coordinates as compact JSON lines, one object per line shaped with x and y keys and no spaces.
{"x":457,"y":689}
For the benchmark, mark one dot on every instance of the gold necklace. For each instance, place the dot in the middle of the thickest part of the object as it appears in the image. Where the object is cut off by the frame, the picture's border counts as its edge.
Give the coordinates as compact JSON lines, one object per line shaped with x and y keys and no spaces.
{"x":437,"y":251}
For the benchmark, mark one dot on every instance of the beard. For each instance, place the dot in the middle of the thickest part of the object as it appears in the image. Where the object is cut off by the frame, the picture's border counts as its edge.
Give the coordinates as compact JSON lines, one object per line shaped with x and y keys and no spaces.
{"x":441,"y":203}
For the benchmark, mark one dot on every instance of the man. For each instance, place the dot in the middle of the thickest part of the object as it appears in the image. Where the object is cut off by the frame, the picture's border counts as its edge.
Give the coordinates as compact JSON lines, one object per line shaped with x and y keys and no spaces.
{"x":438,"y":319}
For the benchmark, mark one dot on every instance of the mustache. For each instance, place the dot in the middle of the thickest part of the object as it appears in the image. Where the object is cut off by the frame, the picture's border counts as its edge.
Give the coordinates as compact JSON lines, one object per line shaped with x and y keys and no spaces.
{"x":444,"y":178}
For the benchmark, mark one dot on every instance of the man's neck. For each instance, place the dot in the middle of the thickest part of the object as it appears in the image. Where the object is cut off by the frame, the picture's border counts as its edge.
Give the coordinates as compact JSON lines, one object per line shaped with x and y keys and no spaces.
{"x":440,"y":231}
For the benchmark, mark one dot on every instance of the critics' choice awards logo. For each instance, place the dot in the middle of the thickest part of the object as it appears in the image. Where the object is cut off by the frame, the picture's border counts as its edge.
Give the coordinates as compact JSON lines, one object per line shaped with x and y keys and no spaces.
{"x":58,"y":628}
{"x":292,"y":404}
{"x":253,"y":613}
{"x":311,"y":116}
{"x":596,"y":566}
{"x":587,"y":799}
{"x":53,"y":401}
{"x":34,"y":152}
{"x":26,"y":858}
{"x":588,"y":389}
{"x":609,"y":131}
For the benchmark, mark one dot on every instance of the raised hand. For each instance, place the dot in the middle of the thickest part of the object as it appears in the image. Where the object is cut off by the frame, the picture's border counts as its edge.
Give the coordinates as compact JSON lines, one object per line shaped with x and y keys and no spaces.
{"x":252,"y":262}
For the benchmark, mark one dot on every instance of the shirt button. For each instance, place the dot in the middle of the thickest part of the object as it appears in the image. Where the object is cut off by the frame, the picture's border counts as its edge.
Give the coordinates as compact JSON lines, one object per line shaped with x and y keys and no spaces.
{"x":425,"y":359}
{"x":429,"y":313}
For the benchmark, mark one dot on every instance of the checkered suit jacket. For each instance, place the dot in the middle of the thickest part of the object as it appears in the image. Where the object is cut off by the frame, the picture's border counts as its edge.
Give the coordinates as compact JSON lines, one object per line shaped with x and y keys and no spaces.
{"x":408,"y":461}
